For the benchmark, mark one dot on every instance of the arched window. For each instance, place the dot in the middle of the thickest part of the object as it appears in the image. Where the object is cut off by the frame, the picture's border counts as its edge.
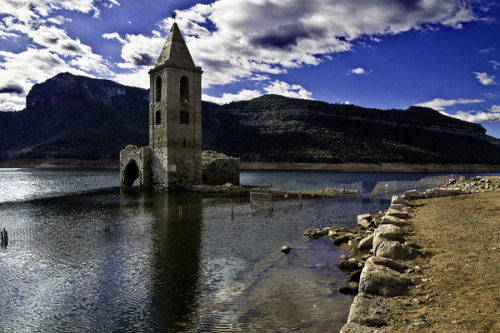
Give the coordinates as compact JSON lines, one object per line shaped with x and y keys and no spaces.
{"x":158,"y":89}
{"x":184,"y":90}
{"x":158,"y":117}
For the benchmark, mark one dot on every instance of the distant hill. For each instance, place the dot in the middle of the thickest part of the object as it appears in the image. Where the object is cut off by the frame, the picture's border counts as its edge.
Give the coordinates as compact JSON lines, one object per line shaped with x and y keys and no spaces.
{"x":71,"y":116}
{"x":78,"y":117}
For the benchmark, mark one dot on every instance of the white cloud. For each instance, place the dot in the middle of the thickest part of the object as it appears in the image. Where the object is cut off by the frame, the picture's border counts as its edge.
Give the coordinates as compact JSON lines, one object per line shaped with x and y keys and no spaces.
{"x":248,"y":37}
{"x":358,"y":71}
{"x":289,"y":90}
{"x":243,"y":95}
{"x":493,"y":115}
{"x":485,"y":79}
{"x":495,"y":64}
{"x":440,"y":104}
{"x":51,"y":49}
{"x":487,"y":50}
{"x":232,"y":40}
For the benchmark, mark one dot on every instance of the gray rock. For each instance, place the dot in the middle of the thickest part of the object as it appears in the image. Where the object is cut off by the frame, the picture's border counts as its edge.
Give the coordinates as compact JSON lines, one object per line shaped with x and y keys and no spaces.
{"x":381,"y":280}
{"x":388,"y":219}
{"x":285,"y":249}
{"x":400,"y":207}
{"x":393,"y":250}
{"x":348,"y":290}
{"x":441,"y":192}
{"x":366,"y":243}
{"x":340,"y":240}
{"x":413,"y":195}
{"x":387,"y":232}
{"x":397,"y":213}
{"x":349,"y":265}
{"x":357,"y":328}
{"x":367,"y":311}
{"x":399,"y":200}
{"x":389,"y":263}
{"x":365,"y":221}
{"x":354,"y":277}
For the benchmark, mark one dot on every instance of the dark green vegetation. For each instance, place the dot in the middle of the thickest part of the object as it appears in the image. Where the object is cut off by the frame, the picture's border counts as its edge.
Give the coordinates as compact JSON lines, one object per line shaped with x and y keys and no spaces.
{"x":83,"y":118}
{"x":278,"y":129}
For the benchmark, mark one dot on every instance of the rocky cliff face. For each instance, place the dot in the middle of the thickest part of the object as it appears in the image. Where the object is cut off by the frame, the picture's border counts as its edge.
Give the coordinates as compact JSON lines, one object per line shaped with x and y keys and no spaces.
{"x":66,"y":88}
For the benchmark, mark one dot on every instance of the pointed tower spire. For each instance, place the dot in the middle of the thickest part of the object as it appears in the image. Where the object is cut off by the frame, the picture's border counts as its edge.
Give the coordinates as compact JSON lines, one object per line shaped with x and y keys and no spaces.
{"x":175,"y":51}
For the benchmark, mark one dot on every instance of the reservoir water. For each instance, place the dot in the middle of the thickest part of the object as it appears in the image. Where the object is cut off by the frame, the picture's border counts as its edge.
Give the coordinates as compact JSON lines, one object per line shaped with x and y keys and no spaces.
{"x":62,"y":271}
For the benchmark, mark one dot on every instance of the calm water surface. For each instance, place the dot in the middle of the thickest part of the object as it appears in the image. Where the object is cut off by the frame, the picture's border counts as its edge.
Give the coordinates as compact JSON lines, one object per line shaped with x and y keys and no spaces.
{"x":62,"y":272}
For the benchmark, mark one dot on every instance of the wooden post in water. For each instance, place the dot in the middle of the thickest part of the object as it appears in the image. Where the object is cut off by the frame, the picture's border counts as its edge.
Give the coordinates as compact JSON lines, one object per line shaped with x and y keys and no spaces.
{"x":344,"y":192}
{"x":300,"y":199}
{"x":323,"y":194}
{"x":181,"y":213}
{"x":270,"y":201}
{"x":232,"y":209}
{"x":4,"y":237}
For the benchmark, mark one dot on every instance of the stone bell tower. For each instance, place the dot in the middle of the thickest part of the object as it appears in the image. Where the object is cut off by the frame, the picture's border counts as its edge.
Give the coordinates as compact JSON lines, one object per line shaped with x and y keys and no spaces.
{"x":175,"y":116}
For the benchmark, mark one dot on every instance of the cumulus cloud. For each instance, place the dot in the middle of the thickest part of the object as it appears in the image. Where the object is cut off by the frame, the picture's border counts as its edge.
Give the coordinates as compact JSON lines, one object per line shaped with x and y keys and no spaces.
{"x":440,"y":104}
{"x":277,"y":87}
{"x":50,"y":49}
{"x":495,"y":64}
{"x":232,"y":40}
{"x":485,"y":79}
{"x":238,"y":39}
{"x":243,"y":95}
{"x":11,"y":88}
{"x":289,"y":90}
{"x":358,"y":71}
{"x":490,"y":116}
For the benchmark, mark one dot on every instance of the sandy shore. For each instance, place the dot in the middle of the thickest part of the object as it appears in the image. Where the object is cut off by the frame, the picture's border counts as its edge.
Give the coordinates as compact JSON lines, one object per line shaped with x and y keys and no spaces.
{"x":451,"y":282}
{"x":458,"y":288}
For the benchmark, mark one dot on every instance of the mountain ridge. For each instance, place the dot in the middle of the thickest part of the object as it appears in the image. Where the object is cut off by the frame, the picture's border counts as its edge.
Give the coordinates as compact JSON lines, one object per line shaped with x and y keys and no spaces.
{"x":72,"y":116}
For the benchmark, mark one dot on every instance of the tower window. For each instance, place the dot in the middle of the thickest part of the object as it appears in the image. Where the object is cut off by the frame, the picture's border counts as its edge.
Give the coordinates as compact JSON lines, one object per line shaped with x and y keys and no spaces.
{"x":158,"y":89}
{"x":184,"y":117}
{"x":184,"y":90}
{"x":184,"y":143}
{"x":158,"y":117}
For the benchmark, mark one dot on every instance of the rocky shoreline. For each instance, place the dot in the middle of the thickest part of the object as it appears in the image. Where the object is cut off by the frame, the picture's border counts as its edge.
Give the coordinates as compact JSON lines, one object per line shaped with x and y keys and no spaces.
{"x":386,"y":259}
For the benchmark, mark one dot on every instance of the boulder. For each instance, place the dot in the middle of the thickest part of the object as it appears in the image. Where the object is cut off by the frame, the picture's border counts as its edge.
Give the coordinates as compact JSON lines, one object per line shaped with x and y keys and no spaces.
{"x":342,"y":239}
{"x":348,"y":290}
{"x":387,"y":232}
{"x":365,"y":221}
{"x":413,"y":195}
{"x":381,"y":280}
{"x":366,"y":243}
{"x":349,"y":265}
{"x":354,"y":277}
{"x":285,"y":249}
{"x":389,"y":263}
{"x":399,"y":200}
{"x":397,"y":213}
{"x":393,"y":250}
{"x":368,"y":311}
{"x":399,"y":207}
{"x":441,"y":192}
{"x":388,"y":219}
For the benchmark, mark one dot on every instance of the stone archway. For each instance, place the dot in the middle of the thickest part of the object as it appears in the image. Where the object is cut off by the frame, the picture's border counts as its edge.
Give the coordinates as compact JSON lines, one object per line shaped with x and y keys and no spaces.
{"x":130,"y":173}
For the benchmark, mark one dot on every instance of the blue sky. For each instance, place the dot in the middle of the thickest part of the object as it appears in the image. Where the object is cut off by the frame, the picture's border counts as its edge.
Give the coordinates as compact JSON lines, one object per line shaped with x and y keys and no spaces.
{"x":385,"y":54}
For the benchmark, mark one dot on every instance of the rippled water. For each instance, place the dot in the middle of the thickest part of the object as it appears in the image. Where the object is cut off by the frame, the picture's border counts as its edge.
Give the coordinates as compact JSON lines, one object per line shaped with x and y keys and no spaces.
{"x":63,"y":272}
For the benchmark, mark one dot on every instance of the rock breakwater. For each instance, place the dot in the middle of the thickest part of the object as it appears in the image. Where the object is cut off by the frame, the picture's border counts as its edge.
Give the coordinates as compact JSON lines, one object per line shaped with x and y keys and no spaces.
{"x":393,"y":265}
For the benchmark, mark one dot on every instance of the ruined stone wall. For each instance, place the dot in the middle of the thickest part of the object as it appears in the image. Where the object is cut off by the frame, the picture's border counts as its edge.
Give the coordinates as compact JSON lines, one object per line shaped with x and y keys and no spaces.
{"x":219,"y":169}
{"x":135,"y":163}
